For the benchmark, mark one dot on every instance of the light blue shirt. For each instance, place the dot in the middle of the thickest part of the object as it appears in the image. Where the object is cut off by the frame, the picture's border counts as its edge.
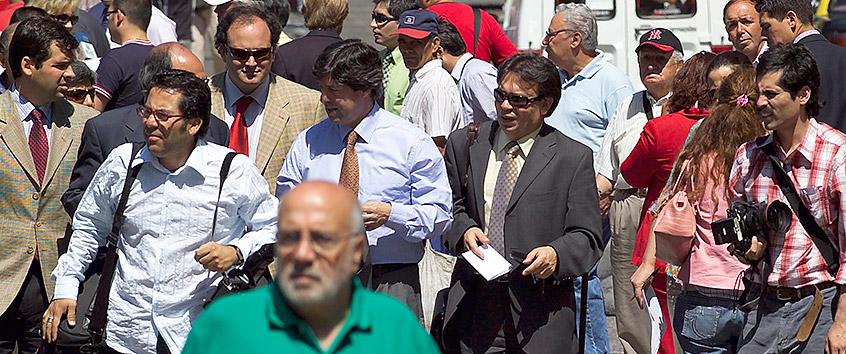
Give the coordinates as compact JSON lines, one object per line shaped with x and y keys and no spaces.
{"x":24,"y":107}
{"x":398,"y":164}
{"x":158,"y":286}
{"x":476,"y":83}
{"x":588,"y":100}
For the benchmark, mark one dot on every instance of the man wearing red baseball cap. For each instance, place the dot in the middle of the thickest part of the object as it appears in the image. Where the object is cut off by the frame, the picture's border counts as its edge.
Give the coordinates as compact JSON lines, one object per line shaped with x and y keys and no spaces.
{"x":432,"y":102}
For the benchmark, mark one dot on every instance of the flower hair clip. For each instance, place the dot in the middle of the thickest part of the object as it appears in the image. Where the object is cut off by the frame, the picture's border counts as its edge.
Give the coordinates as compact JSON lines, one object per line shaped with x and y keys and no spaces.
{"x":742,"y":100}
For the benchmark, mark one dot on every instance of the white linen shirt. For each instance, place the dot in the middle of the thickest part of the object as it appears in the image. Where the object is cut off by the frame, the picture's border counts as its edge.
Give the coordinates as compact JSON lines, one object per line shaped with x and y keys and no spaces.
{"x":432,"y":102}
{"x":158,"y":286}
{"x":622,"y":135}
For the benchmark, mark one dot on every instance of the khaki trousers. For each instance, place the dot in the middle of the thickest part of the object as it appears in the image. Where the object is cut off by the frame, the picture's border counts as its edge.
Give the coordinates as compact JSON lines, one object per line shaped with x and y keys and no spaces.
{"x":624,"y":217}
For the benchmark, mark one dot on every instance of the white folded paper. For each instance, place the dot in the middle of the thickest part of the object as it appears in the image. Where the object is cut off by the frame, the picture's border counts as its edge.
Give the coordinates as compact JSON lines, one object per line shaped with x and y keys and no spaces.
{"x":492,"y":267}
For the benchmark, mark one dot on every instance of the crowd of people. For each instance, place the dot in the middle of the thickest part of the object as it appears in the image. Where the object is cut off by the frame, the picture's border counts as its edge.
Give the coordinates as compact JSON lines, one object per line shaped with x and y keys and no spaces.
{"x":128,"y":170}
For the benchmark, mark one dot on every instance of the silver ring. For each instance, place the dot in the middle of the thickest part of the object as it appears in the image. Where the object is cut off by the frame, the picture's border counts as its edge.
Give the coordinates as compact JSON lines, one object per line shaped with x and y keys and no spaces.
{"x":49,"y":319}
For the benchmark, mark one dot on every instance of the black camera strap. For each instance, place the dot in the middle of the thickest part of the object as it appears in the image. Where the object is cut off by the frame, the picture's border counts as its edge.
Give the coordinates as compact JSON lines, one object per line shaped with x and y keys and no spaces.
{"x":817,"y":234}
{"x":97,"y":323}
{"x":224,"y":171}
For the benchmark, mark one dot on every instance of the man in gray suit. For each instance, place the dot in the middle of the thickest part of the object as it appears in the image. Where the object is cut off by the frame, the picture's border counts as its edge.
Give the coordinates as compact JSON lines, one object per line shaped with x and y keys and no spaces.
{"x":527,"y":191}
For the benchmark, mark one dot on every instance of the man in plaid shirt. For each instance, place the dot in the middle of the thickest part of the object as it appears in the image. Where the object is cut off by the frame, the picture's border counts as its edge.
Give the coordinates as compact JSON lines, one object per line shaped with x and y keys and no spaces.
{"x":811,"y":153}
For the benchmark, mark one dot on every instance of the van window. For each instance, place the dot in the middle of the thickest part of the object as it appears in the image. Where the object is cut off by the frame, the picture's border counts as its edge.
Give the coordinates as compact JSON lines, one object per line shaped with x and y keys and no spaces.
{"x":665,"y":8}
{"x":602,"y":9}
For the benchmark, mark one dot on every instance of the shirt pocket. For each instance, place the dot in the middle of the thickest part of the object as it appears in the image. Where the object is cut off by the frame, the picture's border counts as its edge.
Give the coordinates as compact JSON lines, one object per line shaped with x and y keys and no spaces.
{"x":817,"y":202}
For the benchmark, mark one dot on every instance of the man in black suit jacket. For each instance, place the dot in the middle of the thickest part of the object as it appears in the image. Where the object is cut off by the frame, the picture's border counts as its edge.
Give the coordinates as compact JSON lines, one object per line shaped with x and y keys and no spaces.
{"x":790,"y":21}
{"x":552,"y":216}
{"x":113,"y":128}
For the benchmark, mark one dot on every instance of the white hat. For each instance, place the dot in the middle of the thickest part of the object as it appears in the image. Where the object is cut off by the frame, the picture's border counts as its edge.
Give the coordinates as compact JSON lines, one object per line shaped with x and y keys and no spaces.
{"x":216,"y":2}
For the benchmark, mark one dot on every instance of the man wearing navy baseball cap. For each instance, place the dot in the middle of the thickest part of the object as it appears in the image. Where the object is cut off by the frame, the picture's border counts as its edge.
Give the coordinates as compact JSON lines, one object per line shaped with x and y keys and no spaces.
{"x":432,"y":102}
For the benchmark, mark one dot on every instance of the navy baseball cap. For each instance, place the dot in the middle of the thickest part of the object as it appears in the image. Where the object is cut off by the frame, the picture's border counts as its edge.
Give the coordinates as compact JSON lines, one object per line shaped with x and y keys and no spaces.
{"x":662,"y":39}
{"x":418,"y":24}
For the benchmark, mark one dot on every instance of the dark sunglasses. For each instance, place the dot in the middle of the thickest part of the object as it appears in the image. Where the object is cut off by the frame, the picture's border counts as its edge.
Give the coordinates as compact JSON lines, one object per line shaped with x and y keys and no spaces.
{"x":161,"y":116}
{"x":78,"y":95}
{"x":245,"y":54}
{"x":65,"y":18}
{"x":514,"y":100}
{"x":107,"y":12}
{"x":381,"y":19}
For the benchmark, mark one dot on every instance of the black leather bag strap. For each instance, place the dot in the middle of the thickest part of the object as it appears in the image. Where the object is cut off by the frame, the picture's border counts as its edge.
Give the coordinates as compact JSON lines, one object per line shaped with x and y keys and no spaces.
{"x":583,"y":315}
{"x":224,"y":171}
{"x":101,"y":299}
{"x":477,"y":24}
{"x":647,"y":107}
{"x":817,"y":234}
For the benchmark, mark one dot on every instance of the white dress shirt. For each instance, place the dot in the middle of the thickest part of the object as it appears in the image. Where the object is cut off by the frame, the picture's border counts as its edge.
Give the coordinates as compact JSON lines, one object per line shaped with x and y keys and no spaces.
{"x":432,"y":102}
{"x":158,"y":286}
{"x":161,"y":29}
{"x":254,"y":115}
{"x":622,"y":135}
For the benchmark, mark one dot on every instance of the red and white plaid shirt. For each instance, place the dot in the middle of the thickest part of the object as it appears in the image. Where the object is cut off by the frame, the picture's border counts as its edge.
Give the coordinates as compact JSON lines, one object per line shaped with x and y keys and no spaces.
{"x":818,"y":171}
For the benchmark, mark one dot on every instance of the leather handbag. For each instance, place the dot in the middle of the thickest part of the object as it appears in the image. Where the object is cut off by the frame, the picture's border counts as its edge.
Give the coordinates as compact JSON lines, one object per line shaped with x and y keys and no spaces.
{"x":675,"y":225}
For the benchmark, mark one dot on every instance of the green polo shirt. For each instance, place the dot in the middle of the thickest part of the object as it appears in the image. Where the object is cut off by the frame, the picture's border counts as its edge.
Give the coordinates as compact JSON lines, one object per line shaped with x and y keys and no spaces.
{"x":260,"y":321}
{"x":397,"y":82}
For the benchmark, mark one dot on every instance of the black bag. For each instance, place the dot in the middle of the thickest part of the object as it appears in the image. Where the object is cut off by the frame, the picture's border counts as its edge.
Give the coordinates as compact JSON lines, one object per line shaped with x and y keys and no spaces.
{"x":93,"y":301}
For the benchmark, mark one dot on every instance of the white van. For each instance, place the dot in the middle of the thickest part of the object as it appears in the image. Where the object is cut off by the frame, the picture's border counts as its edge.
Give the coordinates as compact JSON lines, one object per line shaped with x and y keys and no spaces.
{"x":697,"y":23}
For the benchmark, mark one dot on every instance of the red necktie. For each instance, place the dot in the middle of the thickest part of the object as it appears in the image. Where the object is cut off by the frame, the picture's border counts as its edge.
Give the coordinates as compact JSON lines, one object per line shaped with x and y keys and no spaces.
{"x":238,"y":140}
{"x":38,"y":143}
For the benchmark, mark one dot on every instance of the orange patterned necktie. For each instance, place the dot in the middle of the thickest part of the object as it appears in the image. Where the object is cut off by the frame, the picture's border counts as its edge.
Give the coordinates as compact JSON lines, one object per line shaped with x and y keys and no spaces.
{"x":349,"y":168}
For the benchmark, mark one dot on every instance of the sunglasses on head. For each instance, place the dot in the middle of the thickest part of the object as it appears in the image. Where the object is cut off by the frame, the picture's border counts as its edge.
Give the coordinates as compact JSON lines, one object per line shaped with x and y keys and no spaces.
{"x":78,"y":95}
{"x":381,"y":19}
{"x":65,"y":18}
{"x":514,"y":100}
{"x":245,"y":54}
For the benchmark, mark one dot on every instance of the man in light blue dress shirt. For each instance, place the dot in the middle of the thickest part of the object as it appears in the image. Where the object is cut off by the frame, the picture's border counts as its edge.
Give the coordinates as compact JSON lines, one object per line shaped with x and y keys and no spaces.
{"x":592,"y":89}
{"x":402,"y":181}
{"x":476,"y":79}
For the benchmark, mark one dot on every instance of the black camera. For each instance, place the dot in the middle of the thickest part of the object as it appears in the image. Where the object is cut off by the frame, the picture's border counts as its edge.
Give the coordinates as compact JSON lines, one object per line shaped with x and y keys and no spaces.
{"x":750,"y":219}
{"x":252,"y":274}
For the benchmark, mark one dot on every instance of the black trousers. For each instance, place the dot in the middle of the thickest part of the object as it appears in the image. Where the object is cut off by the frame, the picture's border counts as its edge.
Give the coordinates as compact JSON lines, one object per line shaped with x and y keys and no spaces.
{"x":21,"y":323}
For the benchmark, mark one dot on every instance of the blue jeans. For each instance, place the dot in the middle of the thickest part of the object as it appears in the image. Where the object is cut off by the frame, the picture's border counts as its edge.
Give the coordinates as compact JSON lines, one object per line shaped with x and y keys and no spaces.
{"x":596,"y":325}
{"x":707,"y":324}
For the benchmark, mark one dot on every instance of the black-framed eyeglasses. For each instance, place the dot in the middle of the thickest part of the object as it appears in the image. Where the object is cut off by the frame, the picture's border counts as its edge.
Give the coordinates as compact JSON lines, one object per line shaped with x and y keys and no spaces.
{"x":245,"y":54}
{"x":65,"y":18}
{"x":380,"y":19}
{"x":552,"y":34}
{"x":160,"y":116}
{"x":78,"y":95}
{"x":514,"y":100}
{"x":109,"y":12}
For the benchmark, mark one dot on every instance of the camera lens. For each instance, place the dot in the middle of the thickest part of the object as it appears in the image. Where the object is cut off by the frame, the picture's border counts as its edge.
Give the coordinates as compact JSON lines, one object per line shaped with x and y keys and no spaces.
{"x":779,"y":216}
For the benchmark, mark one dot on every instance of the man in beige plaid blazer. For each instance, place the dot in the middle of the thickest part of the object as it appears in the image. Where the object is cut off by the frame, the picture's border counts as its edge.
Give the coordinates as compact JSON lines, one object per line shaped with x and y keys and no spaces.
{"x":276,"y":109}
{"x":39,"y":137}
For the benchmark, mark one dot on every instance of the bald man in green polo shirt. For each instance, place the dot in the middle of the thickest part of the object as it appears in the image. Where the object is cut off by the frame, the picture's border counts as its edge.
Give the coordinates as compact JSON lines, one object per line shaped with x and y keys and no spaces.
{"x":317,"y":304}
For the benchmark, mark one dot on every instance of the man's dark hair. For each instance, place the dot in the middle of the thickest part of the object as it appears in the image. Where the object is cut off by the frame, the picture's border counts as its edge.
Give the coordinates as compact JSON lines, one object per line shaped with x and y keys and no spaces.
{"x":777,"y":9}
{"x":157,"y":61}
{"x":196,"y":95}
{"x":733,"y":59}
{"x":244,"y":13}
{"x":280,"y":8}
{"x":397,"y":7}
{"x":451,"y":39}
{"x":352,"y":63}
{"x":798,"y":69}
{"x":537,"y":70}
{"x":34,"y":38}
{"x":26,"y":12}
{"x":82,"y":75}
{"x":138,"y":12}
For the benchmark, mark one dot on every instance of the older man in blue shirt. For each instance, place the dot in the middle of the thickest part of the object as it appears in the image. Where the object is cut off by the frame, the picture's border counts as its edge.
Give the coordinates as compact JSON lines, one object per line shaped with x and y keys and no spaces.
{"x":395,"y":168}
{"x":591,"y":91}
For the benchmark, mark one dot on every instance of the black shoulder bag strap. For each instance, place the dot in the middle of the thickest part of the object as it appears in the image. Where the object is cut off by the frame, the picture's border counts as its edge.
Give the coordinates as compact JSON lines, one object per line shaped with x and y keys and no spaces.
{"x":817,"y":234}
{"x":477,"y":24}
{"x":101,"y":300}
{"x":647,"y":107}
{"x":224,"y":171}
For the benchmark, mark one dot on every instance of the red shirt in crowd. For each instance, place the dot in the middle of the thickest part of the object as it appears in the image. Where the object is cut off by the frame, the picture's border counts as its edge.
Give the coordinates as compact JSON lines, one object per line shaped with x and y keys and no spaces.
{"x":493,"y":44}
{"x":652,"y":159}
{"x":6,"y":11}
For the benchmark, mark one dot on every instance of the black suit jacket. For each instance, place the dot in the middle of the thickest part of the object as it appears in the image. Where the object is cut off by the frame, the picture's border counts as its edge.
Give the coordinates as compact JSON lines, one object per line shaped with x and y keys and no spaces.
{"x":831,"y":62}
{"x":554,"y":203}
{"x":109,"y":130}
{"x":295,"y":60}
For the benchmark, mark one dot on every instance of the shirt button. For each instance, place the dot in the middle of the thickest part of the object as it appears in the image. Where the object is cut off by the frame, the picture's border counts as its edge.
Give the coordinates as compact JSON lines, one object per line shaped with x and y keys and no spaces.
{"x":35,"y":196}
{"x":30,"y":250}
